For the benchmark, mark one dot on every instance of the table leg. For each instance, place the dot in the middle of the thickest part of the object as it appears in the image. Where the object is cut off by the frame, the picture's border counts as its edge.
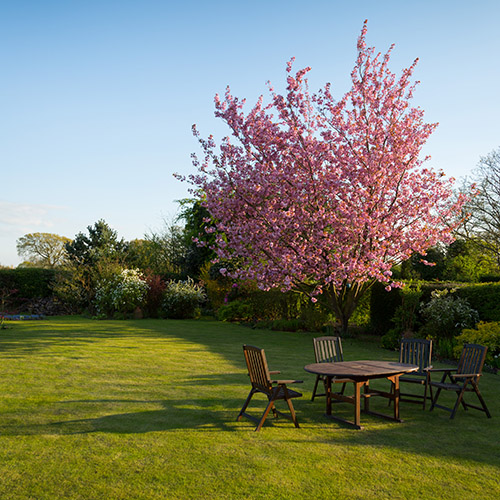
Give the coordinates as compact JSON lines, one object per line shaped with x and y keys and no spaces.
{"x":328,"y":389}
{"x":367,"y":399}
{"x":395,"y":381}
{"x":357,"y":403}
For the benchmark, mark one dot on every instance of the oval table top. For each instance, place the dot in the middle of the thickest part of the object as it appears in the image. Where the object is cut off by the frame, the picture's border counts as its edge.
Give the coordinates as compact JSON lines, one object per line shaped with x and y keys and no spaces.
{"x":364,"y":369}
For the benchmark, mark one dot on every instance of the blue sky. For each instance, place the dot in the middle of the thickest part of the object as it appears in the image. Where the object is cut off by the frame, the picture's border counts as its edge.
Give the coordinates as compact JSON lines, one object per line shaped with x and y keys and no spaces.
{"x":97,"y":97}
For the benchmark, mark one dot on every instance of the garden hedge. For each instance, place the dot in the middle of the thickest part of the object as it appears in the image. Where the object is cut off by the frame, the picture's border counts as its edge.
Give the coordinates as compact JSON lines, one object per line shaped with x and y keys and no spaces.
{"x":30,"y":282}
{"x":483,"y":297}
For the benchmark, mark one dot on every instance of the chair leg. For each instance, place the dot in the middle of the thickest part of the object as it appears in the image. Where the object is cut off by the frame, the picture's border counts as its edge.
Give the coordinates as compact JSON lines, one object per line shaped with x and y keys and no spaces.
{"x":481,"y":400}
{"x":265,"y":414}
{"x":292,"y":411}
{"x":245,"y":406}
{"x":427,"y":386}
{"x":435,"y":398}
{"x":460,"y":395}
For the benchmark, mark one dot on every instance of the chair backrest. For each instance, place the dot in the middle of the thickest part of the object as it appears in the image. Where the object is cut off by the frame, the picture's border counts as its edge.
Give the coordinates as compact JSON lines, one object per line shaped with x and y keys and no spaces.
{"x":416,"y":352}
{"x":328,"y":349}
{"x":472,"y":359}
{"x":258,"y":370}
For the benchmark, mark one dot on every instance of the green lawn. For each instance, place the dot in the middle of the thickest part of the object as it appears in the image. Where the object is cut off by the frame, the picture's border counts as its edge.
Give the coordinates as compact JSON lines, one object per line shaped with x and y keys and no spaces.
{"x":147,"y":410}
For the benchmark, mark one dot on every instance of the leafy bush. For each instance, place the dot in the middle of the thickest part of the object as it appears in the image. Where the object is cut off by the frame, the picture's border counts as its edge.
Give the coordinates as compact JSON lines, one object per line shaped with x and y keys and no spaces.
{"x":154,"y":295}
{"x":122,"y":292}
{"x":391,"y":339}
{"x":217,"y":286}
{"x":183,"y":299}
{"x":236,"y":311}
{"x":30,"y":282}
{"x":405,"y":316}
{"x":446,"y":315}
{"x":485,"y":298}
{"x":485,"y":333}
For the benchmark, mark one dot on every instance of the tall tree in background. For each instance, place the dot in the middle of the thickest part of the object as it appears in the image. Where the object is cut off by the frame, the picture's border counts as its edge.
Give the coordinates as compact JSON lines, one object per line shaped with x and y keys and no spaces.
{"x":160,"y":252}
{"x":196,"y":218}
{"x":482,"y":226}
{"x":43,"y":249}
{"x":92,"y":257}
{"x":101,"y":243}
{"x":325,"y":196}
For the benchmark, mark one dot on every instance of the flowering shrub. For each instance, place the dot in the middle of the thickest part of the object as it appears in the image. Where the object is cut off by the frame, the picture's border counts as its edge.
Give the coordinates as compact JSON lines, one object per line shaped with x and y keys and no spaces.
{"x":446,"y":315}
{"x":485,"y":333}
{"x":122,"y":292}
{"x":183,"y":299}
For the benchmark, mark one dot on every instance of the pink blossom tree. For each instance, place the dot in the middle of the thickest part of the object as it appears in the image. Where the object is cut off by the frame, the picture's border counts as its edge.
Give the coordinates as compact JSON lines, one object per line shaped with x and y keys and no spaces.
{"x":325,"y":196}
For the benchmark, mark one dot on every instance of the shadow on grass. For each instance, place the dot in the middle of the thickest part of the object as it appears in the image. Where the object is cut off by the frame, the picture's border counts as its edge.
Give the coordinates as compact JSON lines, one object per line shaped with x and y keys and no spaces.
{"x":203,"y":415}
{"x":470,"y":436}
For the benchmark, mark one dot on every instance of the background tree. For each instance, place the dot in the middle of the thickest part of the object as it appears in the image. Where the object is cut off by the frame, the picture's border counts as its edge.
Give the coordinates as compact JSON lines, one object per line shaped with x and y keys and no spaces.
{"x":92,"y":257}
{"x":196,"y":218}
{"x":43,"y":249}
{"x":161,"y":252}
{"x":482,"y":227}
{"x":325,"y":196}
{"x":100,"y":244}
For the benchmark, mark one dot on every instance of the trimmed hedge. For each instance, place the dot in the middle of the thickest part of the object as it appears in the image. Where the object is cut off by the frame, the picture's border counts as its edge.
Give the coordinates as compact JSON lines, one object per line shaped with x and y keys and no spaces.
{"x":30,"y":282}
{"x":383,"y":305}
{"x":483,"y":297}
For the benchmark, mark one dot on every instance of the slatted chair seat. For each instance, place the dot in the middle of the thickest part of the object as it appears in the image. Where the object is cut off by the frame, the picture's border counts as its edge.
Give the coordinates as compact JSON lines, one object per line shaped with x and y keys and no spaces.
{"x":274,"y":390}
{"x":328,"y":349}
{"x":464,"y":379}
{"x":416,"y":352}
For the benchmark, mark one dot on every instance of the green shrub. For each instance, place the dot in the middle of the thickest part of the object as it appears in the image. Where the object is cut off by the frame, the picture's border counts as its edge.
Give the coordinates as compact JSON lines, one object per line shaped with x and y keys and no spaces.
{"x":121,"y":292}
{"x":30,"y":282}
{"x":391,"y":339}
{"x":485,"y":298}
{"x":183,"y":299}
{"x":287,"y":325}
{"x":235,"y":311}
{"x":485,"y":333}
{"x":446,"y":315}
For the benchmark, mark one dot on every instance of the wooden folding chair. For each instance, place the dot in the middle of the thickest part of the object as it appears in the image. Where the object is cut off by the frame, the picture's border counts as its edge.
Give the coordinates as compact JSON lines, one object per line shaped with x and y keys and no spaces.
{"x":328,"y":350}
{"x":465,"y":379}
{"x":274,"y":390}
{"x":416,"y":352}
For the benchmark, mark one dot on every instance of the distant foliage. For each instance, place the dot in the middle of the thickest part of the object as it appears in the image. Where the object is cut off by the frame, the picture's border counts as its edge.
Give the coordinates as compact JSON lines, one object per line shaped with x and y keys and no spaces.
{"x":235,"y":312}
{"x":485,"y":333}
{"x":446,"y":315}
{"x":405,"y":316}
{"x":154,"y":295}
{"x":183,"y":299}
{"x":122,"y":292}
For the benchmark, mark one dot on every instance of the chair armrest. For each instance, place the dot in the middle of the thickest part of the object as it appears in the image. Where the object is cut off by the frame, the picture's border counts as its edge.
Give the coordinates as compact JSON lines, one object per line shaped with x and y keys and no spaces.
{"x":440,"y":369}
{"x":465,"y":375}
{"x":275,"y":372}
{"x":284,"y":382}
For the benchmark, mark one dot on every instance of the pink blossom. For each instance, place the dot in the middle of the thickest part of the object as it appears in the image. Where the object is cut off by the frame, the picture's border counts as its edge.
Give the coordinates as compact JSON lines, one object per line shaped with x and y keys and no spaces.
{"x":325,"y":195}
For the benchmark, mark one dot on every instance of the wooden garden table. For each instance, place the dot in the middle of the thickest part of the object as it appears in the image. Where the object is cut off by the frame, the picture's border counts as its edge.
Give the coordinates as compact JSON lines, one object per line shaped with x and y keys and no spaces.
{"x":360,"y":373}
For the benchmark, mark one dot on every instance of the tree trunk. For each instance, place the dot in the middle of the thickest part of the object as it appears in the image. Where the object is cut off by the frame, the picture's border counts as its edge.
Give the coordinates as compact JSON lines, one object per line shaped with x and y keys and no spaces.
{"x":343,"y":301}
